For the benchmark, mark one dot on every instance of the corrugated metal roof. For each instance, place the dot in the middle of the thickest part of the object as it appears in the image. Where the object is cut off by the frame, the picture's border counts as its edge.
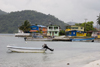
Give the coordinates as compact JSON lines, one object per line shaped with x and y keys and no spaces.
{"x":41,"y":26}
{"x":77,"y":31}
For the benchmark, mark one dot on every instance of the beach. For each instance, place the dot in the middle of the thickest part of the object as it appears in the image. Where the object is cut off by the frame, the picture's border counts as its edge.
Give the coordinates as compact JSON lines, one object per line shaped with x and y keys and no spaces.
{"x":93,"y":64}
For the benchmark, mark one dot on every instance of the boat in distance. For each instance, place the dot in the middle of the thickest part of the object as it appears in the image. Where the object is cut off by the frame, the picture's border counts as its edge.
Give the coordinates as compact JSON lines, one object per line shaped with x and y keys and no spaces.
{"x":26,"y":49}
{"x":84,"y":40}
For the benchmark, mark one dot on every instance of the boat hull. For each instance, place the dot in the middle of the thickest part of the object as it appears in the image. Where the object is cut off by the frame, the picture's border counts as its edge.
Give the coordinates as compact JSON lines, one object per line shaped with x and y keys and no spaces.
{"x":26,"y":49}
{"x":84,"y":40}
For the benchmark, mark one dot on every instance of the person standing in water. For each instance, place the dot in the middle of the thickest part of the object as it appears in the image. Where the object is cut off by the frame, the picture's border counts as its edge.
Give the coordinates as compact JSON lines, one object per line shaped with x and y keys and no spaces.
{"x":45,"y":46}
{"x":25,"y":38}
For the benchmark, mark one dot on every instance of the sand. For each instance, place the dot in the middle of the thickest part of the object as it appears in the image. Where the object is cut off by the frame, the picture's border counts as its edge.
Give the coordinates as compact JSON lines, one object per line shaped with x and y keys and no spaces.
{"x":93,"y":64}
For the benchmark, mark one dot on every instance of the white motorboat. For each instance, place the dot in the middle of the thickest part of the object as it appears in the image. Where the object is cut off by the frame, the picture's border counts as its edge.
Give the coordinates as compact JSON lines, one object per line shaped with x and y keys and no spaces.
{"x":26,"y":49}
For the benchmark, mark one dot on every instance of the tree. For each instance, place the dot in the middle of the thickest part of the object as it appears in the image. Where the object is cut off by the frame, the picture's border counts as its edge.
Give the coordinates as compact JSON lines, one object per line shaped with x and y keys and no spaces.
{"x":88,"y":26}
{"x":62,"y":32}
{"x":25,"y":26}
{"x":78,"y":24}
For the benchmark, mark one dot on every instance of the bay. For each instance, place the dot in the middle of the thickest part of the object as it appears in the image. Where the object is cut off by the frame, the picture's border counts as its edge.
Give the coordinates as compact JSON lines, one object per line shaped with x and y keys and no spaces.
{"x":77,"y":54}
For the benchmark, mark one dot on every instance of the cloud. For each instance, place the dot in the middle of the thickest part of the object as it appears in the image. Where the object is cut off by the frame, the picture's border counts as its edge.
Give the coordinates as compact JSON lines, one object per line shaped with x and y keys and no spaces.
{"x":91,"y":4}
{"x":65,"y":10}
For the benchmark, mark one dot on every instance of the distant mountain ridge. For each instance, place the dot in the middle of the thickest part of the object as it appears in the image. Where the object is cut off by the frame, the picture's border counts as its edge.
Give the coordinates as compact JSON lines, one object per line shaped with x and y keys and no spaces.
{"x":71,"y":23}
{"x":9,"y":22}
{"x":2,"y":12}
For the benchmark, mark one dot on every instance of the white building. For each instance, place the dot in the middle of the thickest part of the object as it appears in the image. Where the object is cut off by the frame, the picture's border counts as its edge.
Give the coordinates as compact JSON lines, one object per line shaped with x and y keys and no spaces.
{"x":53,"y":30}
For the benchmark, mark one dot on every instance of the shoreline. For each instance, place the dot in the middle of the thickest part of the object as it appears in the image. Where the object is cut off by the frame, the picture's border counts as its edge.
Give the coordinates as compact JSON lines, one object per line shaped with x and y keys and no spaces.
{"x":93,"y":64}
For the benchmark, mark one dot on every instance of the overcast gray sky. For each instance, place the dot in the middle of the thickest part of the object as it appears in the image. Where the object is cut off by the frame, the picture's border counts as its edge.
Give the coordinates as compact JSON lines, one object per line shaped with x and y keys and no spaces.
{"x":65,"y":10}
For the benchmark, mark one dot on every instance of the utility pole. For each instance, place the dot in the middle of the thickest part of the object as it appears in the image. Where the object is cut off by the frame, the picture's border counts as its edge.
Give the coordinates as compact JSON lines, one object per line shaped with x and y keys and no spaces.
{"x":85,"y":24}
{"x":98,"y":21}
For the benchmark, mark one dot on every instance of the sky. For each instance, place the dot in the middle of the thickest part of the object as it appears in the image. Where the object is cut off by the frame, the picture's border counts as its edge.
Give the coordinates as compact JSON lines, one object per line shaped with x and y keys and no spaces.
{"x":65,"y":10}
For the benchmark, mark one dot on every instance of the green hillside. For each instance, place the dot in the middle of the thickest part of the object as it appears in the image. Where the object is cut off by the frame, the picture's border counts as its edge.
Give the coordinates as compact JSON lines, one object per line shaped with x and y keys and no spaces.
{"x":2,"y":12}
{"x":9,"y":22}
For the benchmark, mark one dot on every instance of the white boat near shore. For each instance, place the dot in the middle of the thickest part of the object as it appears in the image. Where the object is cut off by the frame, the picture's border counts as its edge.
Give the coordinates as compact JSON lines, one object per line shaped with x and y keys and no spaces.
{"x":26,"y":49}
{"x":22,"y":34}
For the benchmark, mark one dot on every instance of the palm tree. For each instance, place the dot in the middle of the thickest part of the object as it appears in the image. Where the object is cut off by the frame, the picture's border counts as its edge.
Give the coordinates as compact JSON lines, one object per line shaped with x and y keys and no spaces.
{"x":25,"y":26}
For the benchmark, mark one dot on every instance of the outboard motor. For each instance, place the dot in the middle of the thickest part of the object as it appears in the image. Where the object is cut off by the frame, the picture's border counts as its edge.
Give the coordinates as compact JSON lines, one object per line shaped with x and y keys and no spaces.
{"x":45,"y":46}
{"x":92,"y":41}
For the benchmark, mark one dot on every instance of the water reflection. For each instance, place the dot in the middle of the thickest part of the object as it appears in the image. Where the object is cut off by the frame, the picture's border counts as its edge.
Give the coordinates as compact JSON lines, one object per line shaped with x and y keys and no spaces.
{"x":46,"y":56}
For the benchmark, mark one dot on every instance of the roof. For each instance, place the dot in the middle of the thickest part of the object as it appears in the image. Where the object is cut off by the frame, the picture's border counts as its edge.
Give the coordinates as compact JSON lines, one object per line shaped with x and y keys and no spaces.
{"x":54,"y":25}
{"x":75,"y":25}
{"x":41,"y":26}
{"x":33,"y":26}
{"x":76,"y":31}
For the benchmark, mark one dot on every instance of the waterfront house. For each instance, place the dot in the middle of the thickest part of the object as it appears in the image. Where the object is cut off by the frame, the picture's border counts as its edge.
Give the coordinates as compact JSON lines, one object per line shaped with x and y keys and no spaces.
{"x":53,"y":30}
{"x":34,"y":28}
{"x":38,"y":30}
{"x":34,"y":31}
{"x":43,"y":29}
{"x":75,"y":31}
{"x":73,"y":27}
{"x":21,"y":34}
{"x":96,"y":34}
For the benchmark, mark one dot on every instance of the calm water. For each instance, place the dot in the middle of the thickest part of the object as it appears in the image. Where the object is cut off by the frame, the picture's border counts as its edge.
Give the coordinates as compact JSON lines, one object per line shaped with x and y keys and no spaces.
{"x":77,"y":54}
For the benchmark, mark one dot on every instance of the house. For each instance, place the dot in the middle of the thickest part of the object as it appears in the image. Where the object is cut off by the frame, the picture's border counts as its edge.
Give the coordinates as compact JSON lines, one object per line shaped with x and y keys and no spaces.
{"x":20,"y":31}
{"x":38,"y":30}
{"x":43,"y":29}
{"x":96,"y":34}
{"x":34,"y":28}
{"x":73,"y":27}
{"x":75,"y":31}
{"x":53,"y":30}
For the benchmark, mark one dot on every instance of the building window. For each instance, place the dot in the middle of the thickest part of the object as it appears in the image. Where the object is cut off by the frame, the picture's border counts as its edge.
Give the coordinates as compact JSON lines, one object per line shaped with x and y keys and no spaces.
{"x":55,"y":27}
{"x":73,"y":32}
{"x":68,"y":27}
{"x":74,"y":28}
{"x":56,"y":32}
{"x":81,"y":27}
{"x":50,"y":28}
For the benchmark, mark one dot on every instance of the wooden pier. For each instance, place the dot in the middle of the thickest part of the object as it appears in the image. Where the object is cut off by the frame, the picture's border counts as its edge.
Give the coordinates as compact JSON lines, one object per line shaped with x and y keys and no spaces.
{"x":61,"y":39}
{"x":37,"y":39}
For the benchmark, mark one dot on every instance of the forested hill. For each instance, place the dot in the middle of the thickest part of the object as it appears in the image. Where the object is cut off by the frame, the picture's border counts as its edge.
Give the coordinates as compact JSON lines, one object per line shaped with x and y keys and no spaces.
{"x":9,"y":22}
{"x":2,"y":12}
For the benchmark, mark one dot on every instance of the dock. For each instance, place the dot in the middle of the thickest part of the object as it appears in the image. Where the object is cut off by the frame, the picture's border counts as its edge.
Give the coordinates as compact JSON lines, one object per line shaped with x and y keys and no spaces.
{"x":61,"y":39}
{"x":37,"y":39}
{"x":47,"y":39}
